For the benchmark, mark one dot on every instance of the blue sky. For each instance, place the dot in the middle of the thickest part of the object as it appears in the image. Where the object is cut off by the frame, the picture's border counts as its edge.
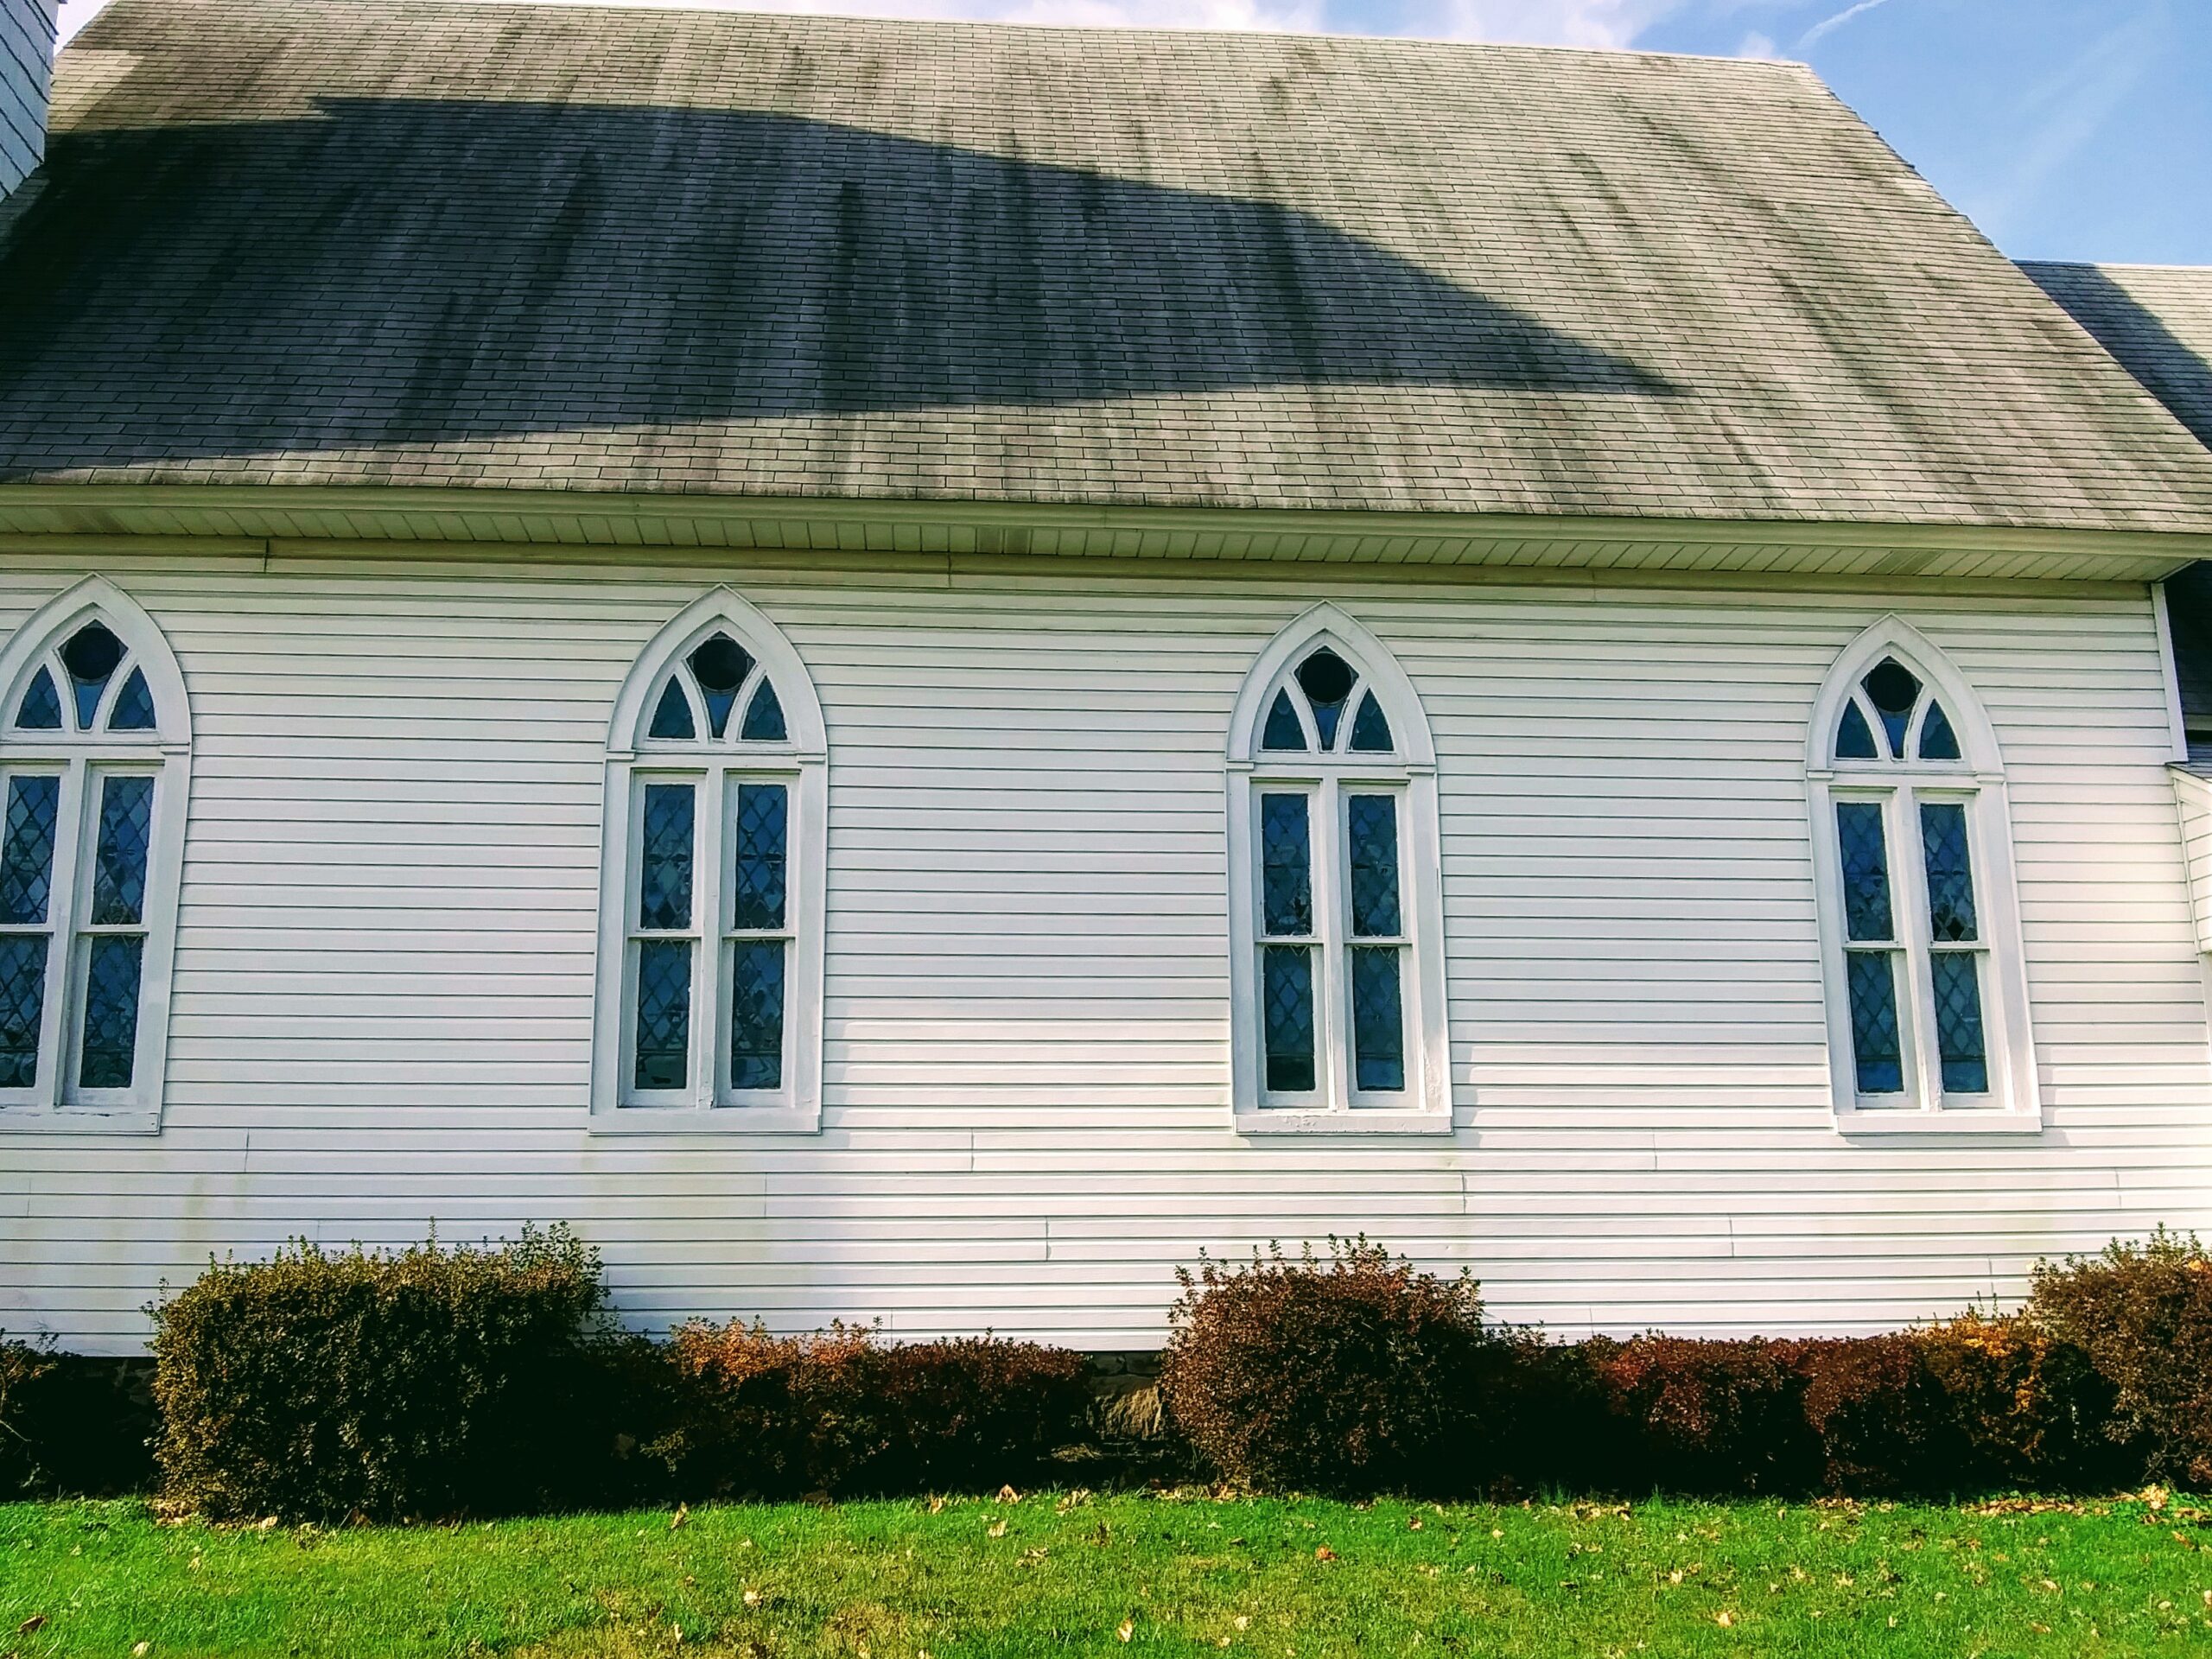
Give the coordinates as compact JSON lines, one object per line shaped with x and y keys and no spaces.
{"x":2066,"y":129}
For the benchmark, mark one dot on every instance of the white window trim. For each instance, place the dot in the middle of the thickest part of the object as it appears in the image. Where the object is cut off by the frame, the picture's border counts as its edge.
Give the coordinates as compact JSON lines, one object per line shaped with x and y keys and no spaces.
{"x":1977,"y":781}
{"x":53,"y":1104}
{"x":801,"y":763}
{"x":1411,"y":775}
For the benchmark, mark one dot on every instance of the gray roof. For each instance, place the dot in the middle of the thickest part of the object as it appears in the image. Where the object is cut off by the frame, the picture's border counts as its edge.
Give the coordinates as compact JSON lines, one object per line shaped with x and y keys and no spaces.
{"x":2157,"y":319}
{"x":396,"y":241}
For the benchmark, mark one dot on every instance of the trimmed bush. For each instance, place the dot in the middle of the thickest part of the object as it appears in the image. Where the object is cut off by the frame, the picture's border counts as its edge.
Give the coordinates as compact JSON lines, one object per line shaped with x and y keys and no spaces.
{"x":841,"y":1411}
{"x":72,"y":1425}
{"x":1710,"y":1416}
{"x":319,"y":1386}
{"x":1357,"y":1374}
{"x":2024,"y":1410}
{"x":2143,"y":1314}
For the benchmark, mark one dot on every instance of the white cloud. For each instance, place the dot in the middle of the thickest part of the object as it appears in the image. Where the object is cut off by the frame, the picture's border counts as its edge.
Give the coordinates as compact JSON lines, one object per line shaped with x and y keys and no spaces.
{"x":1756,"y":45}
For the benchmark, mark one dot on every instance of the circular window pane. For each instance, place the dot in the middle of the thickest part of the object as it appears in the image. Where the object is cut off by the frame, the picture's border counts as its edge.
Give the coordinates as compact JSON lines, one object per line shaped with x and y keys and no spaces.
{"x":720,"y":664}
{"x":92,"y":653}
{"x":1326,"y":676}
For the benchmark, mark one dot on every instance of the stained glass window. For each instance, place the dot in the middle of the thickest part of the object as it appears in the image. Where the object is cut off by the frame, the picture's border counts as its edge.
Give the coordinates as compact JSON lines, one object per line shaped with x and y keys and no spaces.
{"x":1378,"y":1020}
{"x":764,"y":716}
{"x":672,"y":715}
{"x":41,"y":709}
{"x":1894,"y":691}
{"x":1950,"y":875}
{"x":1287,"y":1010}
{"x":23,"y":1007}
{"x":134,"y":706}
{"x":1286,"y":867}
{"x":1937,"y":740}
{"x":756,"y":1016}
{"x":763,"y":821}
{"x":719,"y":667}
{"x":1371,"y":834}
{"x":34,"y":804}
{"x":91,"y":657}
{"x":112,"y":965}
{"x":1854,"y":739}
{"x":1370,"y":732}
{"x":119,"y":861}
{"x":1327,"y":681}
{"x":663,"y":1035}
{"x":1865,"y":851}
{"x":1876,"y":1049}
{"x":1282,"y":731}
{"x":1959,"y":1039}
{"x":664,"y":870}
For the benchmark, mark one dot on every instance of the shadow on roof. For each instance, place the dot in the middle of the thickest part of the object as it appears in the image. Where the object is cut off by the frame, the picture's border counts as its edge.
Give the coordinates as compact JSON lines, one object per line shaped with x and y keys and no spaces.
{"x":408,"y":272}
{"x":2170,"y":369}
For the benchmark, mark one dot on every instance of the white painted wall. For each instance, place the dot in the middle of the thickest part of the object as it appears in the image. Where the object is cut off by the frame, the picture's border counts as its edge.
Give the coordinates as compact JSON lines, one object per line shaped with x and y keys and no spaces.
{"x":27,"y":33}
{"x":385,"y":967}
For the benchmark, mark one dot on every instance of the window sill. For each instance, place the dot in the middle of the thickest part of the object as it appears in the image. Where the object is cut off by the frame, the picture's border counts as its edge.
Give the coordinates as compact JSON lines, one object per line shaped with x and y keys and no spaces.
{"x":79,"y":1120}
{"x":1345,"y":1123}
{"x":719,"y":1120}
{"x":1857,"y":1124}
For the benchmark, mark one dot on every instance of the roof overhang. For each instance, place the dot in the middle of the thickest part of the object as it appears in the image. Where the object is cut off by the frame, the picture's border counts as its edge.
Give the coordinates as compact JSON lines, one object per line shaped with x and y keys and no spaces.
{"x":301,"y":519}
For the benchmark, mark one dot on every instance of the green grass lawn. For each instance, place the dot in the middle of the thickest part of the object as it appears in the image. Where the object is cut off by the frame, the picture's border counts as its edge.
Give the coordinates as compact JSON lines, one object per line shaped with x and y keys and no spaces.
{"x":1075,"y":1574}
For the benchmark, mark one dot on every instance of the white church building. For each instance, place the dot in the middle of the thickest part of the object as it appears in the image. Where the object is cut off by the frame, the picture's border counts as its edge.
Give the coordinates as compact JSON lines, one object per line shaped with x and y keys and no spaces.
{"x":910,"y":671}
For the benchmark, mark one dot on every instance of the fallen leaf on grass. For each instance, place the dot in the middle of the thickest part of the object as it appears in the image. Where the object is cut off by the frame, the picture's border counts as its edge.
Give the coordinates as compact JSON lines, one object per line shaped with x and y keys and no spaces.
{"x":1127,"y":1629}
{"x":998,"y":1531}
{"x":753,"y":1597}
{"x":683,"y":1514}
{"x":1724,"y":1619}
{"x":1325,"y":1554}
{"x":30,"y":1626}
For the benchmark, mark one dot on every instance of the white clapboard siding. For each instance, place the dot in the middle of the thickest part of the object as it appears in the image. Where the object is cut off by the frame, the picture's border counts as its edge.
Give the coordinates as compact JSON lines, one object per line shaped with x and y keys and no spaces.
{"x":382,"y":1010}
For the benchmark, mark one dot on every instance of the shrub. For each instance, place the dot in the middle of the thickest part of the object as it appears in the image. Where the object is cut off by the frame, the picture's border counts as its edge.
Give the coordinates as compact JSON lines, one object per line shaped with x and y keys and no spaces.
{"x":1880,"y":1419}
{"x":842,"y":1411}
{"x":1709,"y":1416}
{"x":2143,"y":1314}
{"x":72,"y":1426}
{"x":2024,"y":1410}
{"x":1356,"y":1374}
{"x":321,"y":1386}
{"x":23,"y":1368}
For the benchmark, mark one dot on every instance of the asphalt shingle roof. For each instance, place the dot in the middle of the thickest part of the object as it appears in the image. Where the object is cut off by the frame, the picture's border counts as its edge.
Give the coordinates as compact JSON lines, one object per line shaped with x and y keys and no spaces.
{"x":405,"y":242}
{"x":2157,"y":319}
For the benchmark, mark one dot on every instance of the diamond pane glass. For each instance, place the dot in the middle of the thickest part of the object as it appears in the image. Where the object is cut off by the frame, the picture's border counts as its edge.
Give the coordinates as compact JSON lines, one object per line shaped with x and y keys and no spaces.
{"x":111,"y":1043}
{"x":1287,"y":1012}
{"x":1286,"y":867}
{"x":756,"y":1014}
{"x":22,"y":1005}
{"x":1893,"y":691}
{"x":134,"y":706}
{"x":719,"y":667}
{"x":1370,"y":732}
{"x":1937,"y":740}
{"x":663,"y":1034}
{"x":41,"y":709}
{"x":1950,"y":872}
{"x":1874,"y":1042}
{"x":91,"y":657}
{"x":1283,"y":730}
{"x":763,"y":832}
{"x":672,"y":715}
{"x":119,"y":861}
{"x":1371,"y":834}
{"x":1854,"y":738}
{"x":1327,"y":681}
{"x":1865,"y":858}
{"x":1378,"y":1020}
{"x":1959,"y":1037}
{"x":764,"y":717}
{"x":27,"y":850}
{"x":664,"y":864}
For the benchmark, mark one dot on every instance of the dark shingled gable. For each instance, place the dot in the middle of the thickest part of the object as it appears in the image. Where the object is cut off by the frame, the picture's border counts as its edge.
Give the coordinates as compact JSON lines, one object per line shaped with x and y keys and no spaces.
{"x":398,"y":241}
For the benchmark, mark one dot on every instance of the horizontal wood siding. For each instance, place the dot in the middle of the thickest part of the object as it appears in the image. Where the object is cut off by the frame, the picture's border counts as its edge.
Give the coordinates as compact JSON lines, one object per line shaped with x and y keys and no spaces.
{"x":383,"y":974}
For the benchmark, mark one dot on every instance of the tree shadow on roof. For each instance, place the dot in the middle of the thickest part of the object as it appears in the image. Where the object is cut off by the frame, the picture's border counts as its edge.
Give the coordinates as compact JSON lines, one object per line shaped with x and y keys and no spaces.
{"x":2170,"y":369}
{"x":415,"y":271}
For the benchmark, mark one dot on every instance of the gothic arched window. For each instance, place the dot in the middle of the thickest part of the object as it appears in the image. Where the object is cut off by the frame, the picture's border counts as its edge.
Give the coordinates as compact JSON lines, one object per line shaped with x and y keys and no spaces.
{"x":1927,"y":996}
{"x":95,"y":745}
{"x":1336,"y":965}
{"x":713,"y":882}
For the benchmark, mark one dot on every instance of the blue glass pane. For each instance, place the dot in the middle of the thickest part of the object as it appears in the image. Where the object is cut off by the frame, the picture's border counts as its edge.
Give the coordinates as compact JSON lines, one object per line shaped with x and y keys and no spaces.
{"x":1371,"y":828}
{"x":91,"y":657}
{"x":1286,"y":867}
{"x":134,"y":706}
{"x":1937,"y":740}
{"x":111,"y":1043}
{"x":672,"y":715}
{"x":763,"y":819}
{"x":1866,"y":859}
{"x":1958,"y":1022}
{"x":756,"y":1014}
{"x":1950,"y":872}
{"x":22,"y":1005}
{"x":119,"y":861}
{"x":764,"y":717}
{"x":1283,"y":730}
{"x":719,"y":667}
{"x":664,"y":863}
{"x":41,"y":705}
{"x":27,"y":850}
{"x":1287,"y":1012}
{"x":1874,"y":991}
{"x":1370,"y":732}
{"x":1327,"y":681}
{"x":663,"y":1034}
{"x":1893,"y":691}
{"x":1378,"y":1020}
{"x":1854,"y":738}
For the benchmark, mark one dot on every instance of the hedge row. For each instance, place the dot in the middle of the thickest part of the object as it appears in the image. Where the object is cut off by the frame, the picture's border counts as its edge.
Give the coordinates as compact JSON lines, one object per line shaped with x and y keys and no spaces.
{"x":440,"y":1382}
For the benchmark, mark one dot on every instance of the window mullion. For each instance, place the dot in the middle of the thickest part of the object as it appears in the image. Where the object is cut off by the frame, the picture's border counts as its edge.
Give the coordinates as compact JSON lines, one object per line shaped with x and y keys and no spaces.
{"x":65,"y":903}
{"x":710,"y":925}
{"x":1333,"y":925}
{"x":1910,"y":886}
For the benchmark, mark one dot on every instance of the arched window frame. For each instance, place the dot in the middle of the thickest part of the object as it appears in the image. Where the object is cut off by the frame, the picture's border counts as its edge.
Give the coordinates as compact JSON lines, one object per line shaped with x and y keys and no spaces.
{"x":634,"y":759}
{"x":1335,"y":1106}
{"x":58,"y":1099}
{"x":1976,"y":781}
